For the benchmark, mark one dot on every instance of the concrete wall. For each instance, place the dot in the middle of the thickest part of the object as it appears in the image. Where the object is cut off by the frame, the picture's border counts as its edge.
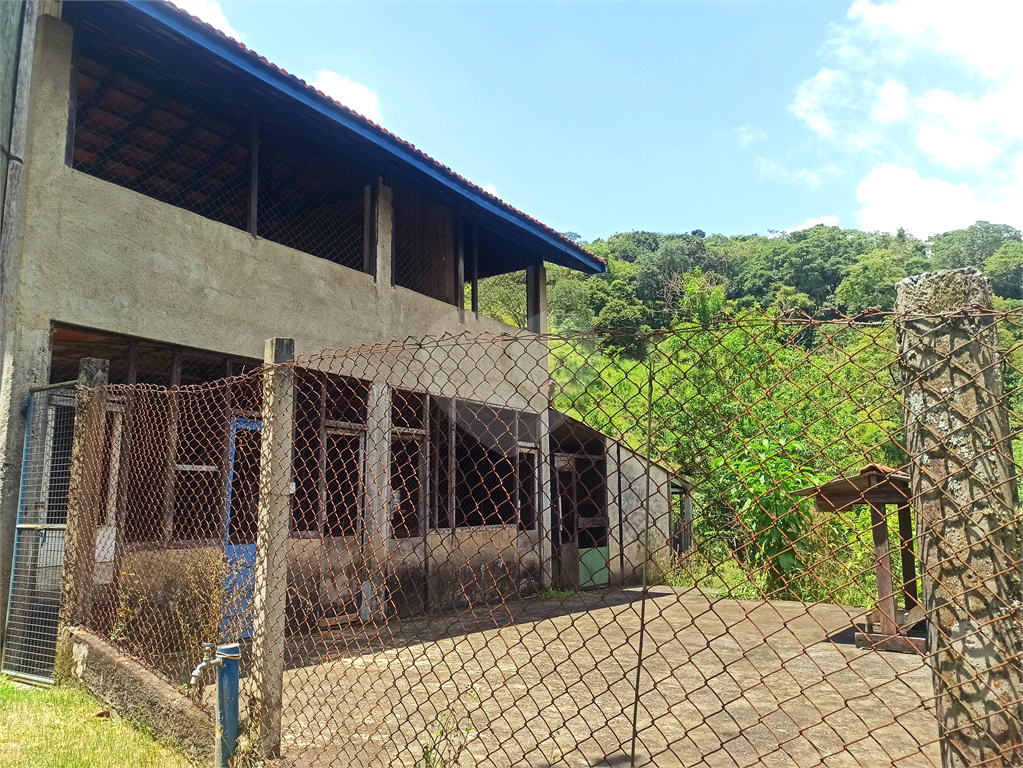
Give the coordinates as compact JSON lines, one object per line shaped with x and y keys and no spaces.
{"x":94,"y":254}
{"x":643,"y":536}
{"x":136,"y":694}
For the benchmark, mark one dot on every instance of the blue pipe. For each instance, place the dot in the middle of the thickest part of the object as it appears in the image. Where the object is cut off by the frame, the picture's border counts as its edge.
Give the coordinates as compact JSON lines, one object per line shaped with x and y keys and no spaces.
{"x":227,"y":702}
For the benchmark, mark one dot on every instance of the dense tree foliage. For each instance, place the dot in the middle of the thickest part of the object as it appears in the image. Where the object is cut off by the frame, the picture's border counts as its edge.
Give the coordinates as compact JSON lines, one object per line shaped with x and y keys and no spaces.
{"x":807,"y":270}
{"x":706,"y":339}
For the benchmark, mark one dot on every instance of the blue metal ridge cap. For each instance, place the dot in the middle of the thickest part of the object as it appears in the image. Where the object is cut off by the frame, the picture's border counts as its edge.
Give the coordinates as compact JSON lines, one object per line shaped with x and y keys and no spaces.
{"x":231,"y":52}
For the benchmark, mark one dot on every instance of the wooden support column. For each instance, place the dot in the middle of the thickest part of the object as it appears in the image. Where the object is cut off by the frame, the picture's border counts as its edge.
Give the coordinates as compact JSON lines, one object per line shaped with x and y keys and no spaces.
{"x":883,"y":569}
{"x":379,"y":503}
{"x":964,"y":489}
{"x":271,"y":572}
{"x":536,"y":298}
{"x":908,"y":556}
{"x":86,"y":500}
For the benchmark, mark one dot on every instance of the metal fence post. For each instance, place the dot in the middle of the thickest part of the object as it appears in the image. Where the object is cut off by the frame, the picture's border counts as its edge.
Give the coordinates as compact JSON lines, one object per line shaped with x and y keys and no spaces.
{"x":964,"y":490}
{"x":84,"y":494}
{"x":271,"y":571}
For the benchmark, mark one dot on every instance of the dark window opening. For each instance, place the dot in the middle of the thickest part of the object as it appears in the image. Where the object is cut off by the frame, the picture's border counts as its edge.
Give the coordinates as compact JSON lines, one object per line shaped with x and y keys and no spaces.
{"x":486,"y":484}
{"x":440,"y":458}
{"x":407,"y":409}
{"x":527,"y":490}
{"x":425,"y":246}
{"x":406,"y":460}
{"x":342,"y":485}
{"x":244,"y":490}
{"x":198,"y":459}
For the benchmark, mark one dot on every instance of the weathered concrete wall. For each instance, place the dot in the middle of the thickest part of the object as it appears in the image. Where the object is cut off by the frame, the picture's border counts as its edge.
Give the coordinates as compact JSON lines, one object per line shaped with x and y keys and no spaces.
{"x":136,"y":694}
{"x":639,"y":540}
{"x":94,"y":254}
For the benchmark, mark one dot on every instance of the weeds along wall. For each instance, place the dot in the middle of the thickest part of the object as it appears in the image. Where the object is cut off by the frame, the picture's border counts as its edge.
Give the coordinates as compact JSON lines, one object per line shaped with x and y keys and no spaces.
{"x":751,"y":538}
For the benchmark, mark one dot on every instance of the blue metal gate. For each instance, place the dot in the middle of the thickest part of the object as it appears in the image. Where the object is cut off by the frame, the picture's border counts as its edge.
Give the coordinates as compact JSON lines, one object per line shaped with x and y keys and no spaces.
{"x":240,"y":515}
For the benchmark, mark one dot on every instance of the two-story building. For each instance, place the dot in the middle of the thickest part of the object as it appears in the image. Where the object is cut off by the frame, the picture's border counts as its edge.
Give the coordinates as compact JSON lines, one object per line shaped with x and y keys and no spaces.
{"x":172,"y":200}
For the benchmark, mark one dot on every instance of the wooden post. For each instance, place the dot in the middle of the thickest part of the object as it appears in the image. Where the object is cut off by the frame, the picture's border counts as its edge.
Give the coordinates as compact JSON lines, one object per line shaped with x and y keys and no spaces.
{"x":271,"y":572}
{"x":536,"y":298}
{"x":883,"y":569}
{"x":965,"y":492}
{"x":86,"y":500}
{"x":908,"y":556}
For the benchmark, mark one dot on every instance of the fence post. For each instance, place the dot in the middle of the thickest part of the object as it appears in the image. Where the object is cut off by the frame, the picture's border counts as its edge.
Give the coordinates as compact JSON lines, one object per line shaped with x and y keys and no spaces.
{"x":271,"y":571}
{"x":373,"y":603}
{"x":84,"y":494}
{"x":964,"y":488}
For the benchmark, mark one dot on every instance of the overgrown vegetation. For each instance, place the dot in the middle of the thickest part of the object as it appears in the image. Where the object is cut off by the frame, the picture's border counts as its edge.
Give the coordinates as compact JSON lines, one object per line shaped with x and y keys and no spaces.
{"x":164,"y":615}
{"x":65,"y":727}
{"x":747,"y":397}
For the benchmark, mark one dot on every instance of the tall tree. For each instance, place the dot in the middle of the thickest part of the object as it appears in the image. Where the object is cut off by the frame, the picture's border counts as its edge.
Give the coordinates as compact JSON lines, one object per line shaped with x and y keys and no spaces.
{"x":972,"y":246}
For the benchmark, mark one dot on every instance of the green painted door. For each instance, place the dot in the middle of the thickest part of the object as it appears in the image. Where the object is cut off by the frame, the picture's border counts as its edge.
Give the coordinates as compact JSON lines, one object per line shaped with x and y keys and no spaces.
{"x":593,"y":567}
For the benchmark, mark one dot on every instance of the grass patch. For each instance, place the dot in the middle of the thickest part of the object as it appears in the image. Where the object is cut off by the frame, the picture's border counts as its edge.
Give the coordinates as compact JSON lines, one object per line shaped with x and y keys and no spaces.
{"x":55,"y":727}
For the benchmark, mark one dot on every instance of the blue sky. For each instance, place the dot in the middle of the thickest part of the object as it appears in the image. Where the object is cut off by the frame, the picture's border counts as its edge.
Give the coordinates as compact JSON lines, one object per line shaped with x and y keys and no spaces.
{"x":727,"y":117}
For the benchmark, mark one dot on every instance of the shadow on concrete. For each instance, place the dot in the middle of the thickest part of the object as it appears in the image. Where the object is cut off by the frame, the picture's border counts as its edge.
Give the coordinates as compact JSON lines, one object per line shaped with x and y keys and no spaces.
{"x":352,"y":638}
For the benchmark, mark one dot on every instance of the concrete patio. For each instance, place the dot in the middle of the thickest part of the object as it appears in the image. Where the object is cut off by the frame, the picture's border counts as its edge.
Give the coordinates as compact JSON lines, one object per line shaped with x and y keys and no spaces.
{"x":724,"y":683}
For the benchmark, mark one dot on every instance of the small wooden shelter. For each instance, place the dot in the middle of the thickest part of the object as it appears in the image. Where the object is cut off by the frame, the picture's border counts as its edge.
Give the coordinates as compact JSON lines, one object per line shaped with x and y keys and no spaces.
{"x":877,"y":486}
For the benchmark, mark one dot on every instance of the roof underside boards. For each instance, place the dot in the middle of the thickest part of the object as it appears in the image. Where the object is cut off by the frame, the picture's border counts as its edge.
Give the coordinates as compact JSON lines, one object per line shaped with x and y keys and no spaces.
{"x":508,"y":239}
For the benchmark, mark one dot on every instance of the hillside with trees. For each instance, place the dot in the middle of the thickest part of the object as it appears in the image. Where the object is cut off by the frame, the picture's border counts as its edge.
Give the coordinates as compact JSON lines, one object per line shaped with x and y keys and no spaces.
{"x":807,"y":270}
{"x":758,"y":369}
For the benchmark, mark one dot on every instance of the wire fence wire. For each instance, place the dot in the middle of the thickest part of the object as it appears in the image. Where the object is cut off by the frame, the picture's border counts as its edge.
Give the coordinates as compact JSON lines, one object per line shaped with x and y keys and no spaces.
{"x":754,"y":540}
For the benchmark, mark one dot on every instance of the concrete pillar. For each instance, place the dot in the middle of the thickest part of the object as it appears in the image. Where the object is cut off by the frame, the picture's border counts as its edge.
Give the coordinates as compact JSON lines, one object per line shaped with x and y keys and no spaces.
{"x":964,"y":488}
{"x":384,"y":234}
{"x":266,"y":678}
{"x":85,"y":493}
{"x":545,"y":500}
{"x":379,"y":503}
{"x":536,"y":298}
{"x":31,"y":350}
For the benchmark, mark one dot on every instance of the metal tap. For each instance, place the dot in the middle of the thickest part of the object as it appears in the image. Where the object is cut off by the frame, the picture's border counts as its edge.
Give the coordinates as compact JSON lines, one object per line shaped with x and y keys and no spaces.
{"x":208,"y":662}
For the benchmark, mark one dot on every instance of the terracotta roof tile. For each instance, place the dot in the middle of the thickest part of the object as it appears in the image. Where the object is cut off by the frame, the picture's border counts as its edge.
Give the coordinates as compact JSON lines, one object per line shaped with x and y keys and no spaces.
{"x":465,"y":182}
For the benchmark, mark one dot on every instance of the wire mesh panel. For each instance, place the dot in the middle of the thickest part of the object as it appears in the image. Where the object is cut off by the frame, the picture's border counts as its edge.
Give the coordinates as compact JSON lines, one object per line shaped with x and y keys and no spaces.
{"x":313,"y":197}
{"x":39,"y":539}
{"x":425,"y":245}
{"x":169,"y":135}
{"x":749,"y":540}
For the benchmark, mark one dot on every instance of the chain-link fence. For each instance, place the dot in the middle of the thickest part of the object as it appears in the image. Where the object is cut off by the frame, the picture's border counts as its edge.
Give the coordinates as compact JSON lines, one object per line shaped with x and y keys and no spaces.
{"x":749,"y":540}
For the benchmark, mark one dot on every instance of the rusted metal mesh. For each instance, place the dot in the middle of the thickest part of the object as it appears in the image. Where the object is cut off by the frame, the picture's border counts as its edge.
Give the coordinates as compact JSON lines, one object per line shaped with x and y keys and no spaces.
{"x":764,"y":540}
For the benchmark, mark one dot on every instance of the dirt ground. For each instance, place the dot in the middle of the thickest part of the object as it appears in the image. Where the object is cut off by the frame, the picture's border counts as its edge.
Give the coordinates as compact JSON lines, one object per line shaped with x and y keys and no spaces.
{"x":723,"y":683}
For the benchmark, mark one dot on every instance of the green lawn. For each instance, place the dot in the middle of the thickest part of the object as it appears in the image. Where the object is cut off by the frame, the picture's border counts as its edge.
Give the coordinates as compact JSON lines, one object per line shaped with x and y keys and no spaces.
{"x":55,"y":727}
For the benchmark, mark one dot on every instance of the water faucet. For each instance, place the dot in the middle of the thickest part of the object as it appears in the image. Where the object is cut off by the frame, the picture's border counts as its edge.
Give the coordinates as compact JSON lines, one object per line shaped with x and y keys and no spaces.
{"x":208,"y":662}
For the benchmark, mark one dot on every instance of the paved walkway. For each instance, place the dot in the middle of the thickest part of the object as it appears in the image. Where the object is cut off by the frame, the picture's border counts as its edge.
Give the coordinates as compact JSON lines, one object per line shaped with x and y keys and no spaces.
{"x":723,"y":683}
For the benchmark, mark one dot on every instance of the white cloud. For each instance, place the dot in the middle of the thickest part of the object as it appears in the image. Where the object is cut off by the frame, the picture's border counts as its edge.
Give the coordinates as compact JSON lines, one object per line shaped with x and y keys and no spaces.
{"x":771,"y":169}
{"x":747,"y":135}
{"x":210,"y":12}
{"x":891,"y":196}
{"x":815,"y":97}
{"x":355,"y":96}
{"x":892,"y":104}
{"x":928,"y":92}
{"x":827,"y":221}
{"x":491,"y":189}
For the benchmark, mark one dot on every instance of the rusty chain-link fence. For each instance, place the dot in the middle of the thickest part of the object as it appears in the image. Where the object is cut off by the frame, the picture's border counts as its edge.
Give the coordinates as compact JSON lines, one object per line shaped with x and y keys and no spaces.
{"x":743,"y":541}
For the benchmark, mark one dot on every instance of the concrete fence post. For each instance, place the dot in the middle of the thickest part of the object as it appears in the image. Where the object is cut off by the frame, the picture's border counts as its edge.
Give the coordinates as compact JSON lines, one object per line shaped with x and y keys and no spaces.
{"x":85,"y":494}
{"x":266,"y":690}
{"x":964,"y":489}
{"x":373,"y":604}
